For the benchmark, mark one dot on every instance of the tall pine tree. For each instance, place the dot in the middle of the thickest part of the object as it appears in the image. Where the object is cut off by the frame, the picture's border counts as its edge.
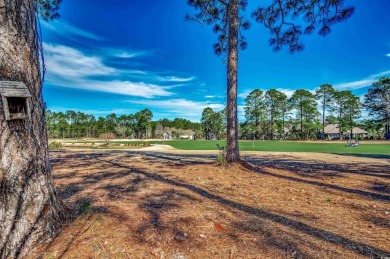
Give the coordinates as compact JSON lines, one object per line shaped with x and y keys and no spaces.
{"x":228,"y":20}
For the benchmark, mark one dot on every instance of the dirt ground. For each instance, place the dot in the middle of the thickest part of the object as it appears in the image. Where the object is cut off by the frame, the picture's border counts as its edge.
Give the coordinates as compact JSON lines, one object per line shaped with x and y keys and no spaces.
{"x":172,"y":204}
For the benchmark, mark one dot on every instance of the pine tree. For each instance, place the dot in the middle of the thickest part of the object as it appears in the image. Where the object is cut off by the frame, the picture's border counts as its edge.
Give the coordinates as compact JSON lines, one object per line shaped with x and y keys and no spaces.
{"x":228,"y":20}
{"x":377,"y":101}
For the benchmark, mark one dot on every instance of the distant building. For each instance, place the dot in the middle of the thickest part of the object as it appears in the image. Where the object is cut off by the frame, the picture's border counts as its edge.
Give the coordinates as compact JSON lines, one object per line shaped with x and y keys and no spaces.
{"x":172,"y":133}
{"x":278,"y":134}
{"x":187,"y":134}
{"x":332,"y":131}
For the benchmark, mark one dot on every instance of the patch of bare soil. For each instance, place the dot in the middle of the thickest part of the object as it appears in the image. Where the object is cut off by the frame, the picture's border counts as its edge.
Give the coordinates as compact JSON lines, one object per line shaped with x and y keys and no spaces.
{"x":171,"y":205}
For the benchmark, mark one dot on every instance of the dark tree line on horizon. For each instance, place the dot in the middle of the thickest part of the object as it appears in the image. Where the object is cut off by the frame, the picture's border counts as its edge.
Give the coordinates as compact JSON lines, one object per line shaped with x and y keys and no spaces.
{"x":272,"y":115}
{"x":72,"y":124}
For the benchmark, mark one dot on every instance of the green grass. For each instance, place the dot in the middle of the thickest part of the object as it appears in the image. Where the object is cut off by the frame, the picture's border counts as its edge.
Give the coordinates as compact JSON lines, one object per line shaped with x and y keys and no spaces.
{"x":374,"y":150}
{"x":284,"y":146}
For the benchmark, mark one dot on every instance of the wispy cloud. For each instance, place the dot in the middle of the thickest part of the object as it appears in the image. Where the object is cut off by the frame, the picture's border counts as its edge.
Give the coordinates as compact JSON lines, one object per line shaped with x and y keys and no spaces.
{"x":66,"y":30}
{"x":244,"y":94}
{"x":64,"y":61}
{"x":121,"y":53}
{"x":180,"y":107}
{"x":175,"y":79}
{"x":241,"y":112}
{"x":388,"y":55}
{"x":68,"y":67}
{"x":361,"y":83}
{"x":288,"y":92}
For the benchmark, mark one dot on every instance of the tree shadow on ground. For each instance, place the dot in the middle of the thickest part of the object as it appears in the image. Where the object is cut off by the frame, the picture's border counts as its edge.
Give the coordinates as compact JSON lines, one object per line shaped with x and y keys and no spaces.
{"x":154,"y":205}
{"x":377,"y":156}
{"x":324,"y":235}
{"x":317,"y":169}
{"x":379,"y":186}
{"x":82,"y":212}
{"x":286,"y":243}
{"x":371,"y":195}
{"x":154,"y":230}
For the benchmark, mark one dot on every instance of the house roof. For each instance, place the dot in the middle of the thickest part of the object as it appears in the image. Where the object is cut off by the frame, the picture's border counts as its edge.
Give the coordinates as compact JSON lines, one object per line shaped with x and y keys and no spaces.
{"x":180,"y":131}
{"x":334,"y":129}
{"x":188,"y":132}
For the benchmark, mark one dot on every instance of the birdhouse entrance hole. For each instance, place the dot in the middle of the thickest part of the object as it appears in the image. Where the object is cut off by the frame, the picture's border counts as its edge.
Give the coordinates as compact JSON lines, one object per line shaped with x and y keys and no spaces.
{"x":15,"y":97}
{"x":17,"y":107}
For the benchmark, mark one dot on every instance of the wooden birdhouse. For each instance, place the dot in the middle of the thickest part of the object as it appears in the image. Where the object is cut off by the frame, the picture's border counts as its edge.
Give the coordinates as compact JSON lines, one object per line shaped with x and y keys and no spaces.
{"x":15,"y":97}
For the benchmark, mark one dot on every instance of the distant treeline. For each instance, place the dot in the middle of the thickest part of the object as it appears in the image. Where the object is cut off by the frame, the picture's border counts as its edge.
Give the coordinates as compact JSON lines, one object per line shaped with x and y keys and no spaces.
{"x":272,"y":115}
{"x":72,"y":124}
{"x":269,"y":115}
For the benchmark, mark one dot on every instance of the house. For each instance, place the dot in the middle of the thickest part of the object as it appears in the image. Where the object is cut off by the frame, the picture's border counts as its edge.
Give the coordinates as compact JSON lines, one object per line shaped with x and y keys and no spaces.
{"x":278,"y":133}
{"x":168,"y":133}
{"x":172,"y":133}
{"x":332,"y":131}
{"x":187,"y":134}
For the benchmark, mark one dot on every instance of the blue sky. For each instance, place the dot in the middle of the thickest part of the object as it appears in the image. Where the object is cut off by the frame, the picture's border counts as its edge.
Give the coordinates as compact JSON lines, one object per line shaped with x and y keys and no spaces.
{"x":122,"y":56}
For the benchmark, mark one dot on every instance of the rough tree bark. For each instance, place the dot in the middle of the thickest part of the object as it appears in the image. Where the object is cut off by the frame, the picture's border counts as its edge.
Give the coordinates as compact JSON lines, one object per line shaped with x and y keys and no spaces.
{"x":323,"y":117}
{"x":29,"y":208}
{"x":232,"y":151}
{"x":340,"y":125}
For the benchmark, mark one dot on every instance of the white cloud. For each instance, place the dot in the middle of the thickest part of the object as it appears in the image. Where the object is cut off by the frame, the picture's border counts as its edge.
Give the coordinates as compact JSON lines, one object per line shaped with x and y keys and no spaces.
{"x":241,"y":112}
{"x":68,"y":67}
{"x":126,"y":53}
{"x":355,"y":84}
{"x":181,"y":107}
{"x":69,"y":31}
{"x":68,"y":62}
{"x":388,"y":55}
{"x":381,"y":74}
{"x":288,"y":92}
{"x":210,"y":96}
{"x":361,"y":83}
{"x":175,"y":79}
{"x":139,"y":89}
{"x":244,"y":94}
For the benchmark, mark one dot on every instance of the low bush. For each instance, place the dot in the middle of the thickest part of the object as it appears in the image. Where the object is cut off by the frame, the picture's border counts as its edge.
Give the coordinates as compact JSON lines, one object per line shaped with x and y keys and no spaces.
{"x":55,"y":145}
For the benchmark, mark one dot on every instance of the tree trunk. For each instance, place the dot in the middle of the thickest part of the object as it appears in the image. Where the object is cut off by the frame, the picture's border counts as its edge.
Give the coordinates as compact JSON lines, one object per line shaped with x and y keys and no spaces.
{"x":340,"y":126}
{"x":351,"y":127}
{"x":232,"y":150}
{"x":301,"y":123}
{"x":323,"y":118}
{"x":29,"y":208}
{"x":272,"y":124}
{"x":284,"y":134}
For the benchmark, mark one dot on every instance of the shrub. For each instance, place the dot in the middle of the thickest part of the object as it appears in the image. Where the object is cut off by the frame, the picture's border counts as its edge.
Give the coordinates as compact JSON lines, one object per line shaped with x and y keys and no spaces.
{"x":221,"y":155}
{"x":107,"y":136}
{"x":84,"y":208}
{"x":55,"y":145}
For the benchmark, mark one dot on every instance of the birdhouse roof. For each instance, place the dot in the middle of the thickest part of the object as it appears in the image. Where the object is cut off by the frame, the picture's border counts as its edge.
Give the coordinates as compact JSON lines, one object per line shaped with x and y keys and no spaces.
{"x":14,"y":89}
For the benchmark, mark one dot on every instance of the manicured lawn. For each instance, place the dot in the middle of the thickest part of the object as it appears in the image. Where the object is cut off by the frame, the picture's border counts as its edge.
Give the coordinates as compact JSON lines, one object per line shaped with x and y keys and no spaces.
{"x":364,"y":149}
{"x":287,"y":146}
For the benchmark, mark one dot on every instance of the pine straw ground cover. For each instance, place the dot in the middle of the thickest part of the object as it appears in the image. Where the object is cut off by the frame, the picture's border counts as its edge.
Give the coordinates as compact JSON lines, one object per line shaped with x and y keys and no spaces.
{"x":171,"y":205}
